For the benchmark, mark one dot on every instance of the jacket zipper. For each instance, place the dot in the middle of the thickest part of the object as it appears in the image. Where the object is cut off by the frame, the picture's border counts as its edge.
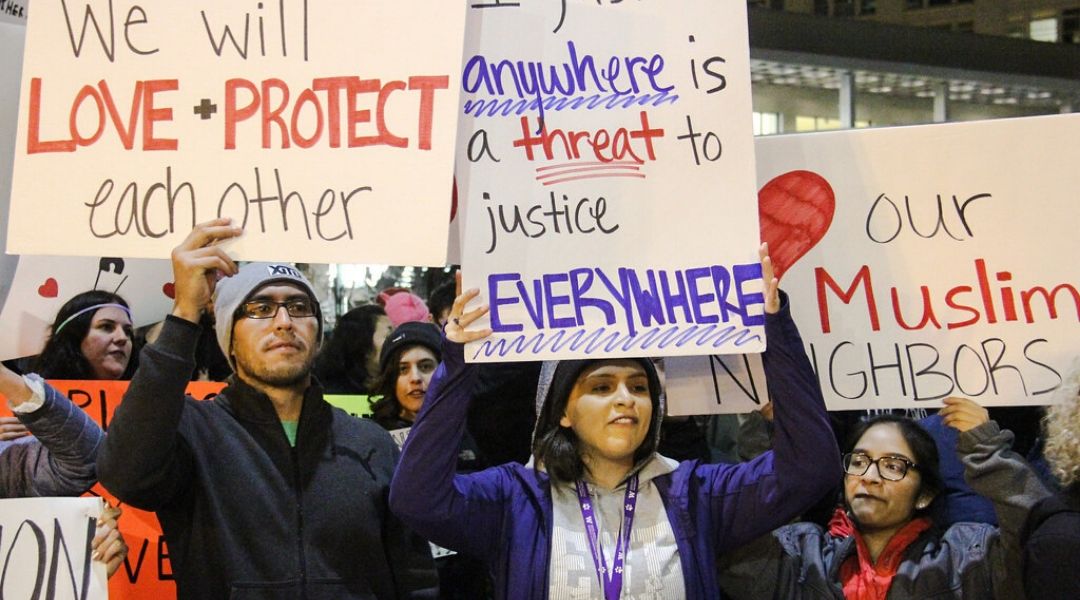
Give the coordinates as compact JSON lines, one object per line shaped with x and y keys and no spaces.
{"x":299,"y":521}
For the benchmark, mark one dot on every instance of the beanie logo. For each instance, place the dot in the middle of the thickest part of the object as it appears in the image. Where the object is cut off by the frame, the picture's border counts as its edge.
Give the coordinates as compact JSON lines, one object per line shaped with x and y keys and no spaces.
{"x":279,"y":270}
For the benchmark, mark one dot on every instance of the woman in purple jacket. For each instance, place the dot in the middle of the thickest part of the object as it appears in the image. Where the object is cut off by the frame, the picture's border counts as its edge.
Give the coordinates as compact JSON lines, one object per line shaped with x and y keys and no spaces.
{"x":597,"y":513}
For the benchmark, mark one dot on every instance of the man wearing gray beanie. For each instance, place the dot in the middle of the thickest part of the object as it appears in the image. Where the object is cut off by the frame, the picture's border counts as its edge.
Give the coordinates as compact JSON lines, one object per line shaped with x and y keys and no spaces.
{"x":264,"y":491}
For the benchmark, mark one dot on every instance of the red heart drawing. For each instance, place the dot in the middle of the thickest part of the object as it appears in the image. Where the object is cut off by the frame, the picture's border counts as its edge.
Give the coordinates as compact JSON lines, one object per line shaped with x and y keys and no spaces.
{"x":49,"y":289}
{"x":169,"y":290}
{"x":796,"y":209}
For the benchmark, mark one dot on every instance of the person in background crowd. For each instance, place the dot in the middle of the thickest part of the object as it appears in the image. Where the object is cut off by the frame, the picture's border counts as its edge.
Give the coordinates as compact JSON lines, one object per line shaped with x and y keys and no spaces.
{"x":439,"y":302}
{"x":90,"y":338}
{"x":594,"y":462}
{"x":264,"y":491}
{"x":406,"y":362}
{"x":349,"y":362}
{"x":408,"y":359}
{"x":59,"y":459}
{"x":403,"y":306}
{"x":1052,"y":532}
{"x":883,"y":543}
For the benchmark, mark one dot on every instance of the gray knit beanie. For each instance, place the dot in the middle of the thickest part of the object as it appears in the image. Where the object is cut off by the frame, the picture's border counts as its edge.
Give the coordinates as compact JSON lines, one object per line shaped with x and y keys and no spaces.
{"x":233,"y":291}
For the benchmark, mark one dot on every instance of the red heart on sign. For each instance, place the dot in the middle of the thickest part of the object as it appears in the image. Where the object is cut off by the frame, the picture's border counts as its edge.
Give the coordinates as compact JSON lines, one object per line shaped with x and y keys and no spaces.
{"x":169,"y":290}
{"x":49,"y":289}
{"x":796,"y":209}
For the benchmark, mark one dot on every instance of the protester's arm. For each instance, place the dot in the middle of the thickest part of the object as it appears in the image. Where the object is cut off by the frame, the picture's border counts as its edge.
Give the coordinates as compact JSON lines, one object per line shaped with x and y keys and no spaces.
{"x":145,"y":461}
{"x":996,"y":472}
{"x":757,"y":496}
{"x":459,"y":512}
{"x":60,"y":462}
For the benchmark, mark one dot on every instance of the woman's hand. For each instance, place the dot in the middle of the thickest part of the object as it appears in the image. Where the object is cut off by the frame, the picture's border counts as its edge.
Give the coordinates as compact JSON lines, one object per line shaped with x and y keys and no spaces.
{"x":458,"y":319}
{"x":772,"y":284}
{"x":962,"y":414}
{"x":11,"y":428}
{"x":108,"y":545}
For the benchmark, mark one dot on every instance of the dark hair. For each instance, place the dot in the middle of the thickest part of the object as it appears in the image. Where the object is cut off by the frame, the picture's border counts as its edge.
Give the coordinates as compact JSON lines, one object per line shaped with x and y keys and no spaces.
{"x":387,"y":409}
{"x":558,"y":448}
{"x":62,"y":357}
{"x":923,"y":449}
{"x":441,"y":298}
{"x":345,"y":355}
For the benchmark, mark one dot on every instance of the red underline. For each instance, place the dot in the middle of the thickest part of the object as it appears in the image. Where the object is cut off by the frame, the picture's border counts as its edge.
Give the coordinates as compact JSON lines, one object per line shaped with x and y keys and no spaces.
{"x":575,"y":164}
{"x":583,"y":169}
{"x":597,"y":176}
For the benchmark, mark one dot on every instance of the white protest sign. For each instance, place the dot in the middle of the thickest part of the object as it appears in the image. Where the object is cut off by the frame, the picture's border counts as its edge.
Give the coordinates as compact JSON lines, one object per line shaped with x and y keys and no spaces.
{"x":45,"y":546}
{"x":606,"y":165}
{"x":926,"y":261}
{"x":42,"y":284}
{"x":12,"y":37}
{"x":14,"y":11}
{"x":320,"y":127}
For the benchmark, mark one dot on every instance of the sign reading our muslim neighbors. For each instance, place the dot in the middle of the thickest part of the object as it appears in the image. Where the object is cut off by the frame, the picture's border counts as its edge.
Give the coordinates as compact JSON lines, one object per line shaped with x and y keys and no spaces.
{"x":605,"y":165}
{"x":317,"y":126}
{"x":921,"y":262}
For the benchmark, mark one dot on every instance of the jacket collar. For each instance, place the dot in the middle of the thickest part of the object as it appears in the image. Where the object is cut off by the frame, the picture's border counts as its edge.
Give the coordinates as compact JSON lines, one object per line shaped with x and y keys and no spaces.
{"x":249,"y":404}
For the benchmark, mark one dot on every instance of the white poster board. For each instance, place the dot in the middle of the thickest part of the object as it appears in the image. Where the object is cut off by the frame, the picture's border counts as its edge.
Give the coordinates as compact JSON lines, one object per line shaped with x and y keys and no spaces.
{"x":42,"y":284}
{"x":926,"y":261}
{"x":605,"y":163}
{"x":320,"y":127}
{"x":45,"y":546}
{"x":12,"y":36}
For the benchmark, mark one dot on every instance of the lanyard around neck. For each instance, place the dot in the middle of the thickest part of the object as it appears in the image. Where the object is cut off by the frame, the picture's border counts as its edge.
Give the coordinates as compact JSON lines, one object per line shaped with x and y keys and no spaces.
{"x":610,"y":579}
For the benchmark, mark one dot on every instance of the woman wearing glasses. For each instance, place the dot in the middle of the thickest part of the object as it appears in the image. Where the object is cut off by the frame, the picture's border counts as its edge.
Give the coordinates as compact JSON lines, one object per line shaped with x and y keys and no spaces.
{"x":883,"y":542}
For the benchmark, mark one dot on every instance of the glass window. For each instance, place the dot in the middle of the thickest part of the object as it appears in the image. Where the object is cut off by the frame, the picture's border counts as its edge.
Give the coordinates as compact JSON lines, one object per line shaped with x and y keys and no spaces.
{"x":844,"y":8}
{"x":1043,"y":30}
{"x":868,"y":7}
{"x":767,"y":123}
{"x":911,"y":4}
{"x":821,"y":8}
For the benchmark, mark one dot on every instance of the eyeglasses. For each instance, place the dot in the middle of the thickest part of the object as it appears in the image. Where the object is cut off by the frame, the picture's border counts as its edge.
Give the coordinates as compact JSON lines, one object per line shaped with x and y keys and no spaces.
{"x":892,"y":468}
{"x":268,"y":309}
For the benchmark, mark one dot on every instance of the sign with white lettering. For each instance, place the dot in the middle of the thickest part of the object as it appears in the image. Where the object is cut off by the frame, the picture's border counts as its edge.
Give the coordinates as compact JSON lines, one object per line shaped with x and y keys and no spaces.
{"x":315,"y":126}
{"x":606,"y":165}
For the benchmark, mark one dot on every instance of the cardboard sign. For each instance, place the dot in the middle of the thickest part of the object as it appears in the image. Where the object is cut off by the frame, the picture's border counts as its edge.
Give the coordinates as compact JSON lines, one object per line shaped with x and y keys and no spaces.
{"x":929,"y":261}
{"x":12,"y":37}
{"x":314,"y":126}
{"x":605,"y":164}
{"x":45,"y":547}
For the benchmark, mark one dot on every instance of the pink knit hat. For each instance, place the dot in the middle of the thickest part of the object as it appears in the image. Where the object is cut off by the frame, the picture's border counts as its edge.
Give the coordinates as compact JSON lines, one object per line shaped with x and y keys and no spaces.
{"x":404,"y":307}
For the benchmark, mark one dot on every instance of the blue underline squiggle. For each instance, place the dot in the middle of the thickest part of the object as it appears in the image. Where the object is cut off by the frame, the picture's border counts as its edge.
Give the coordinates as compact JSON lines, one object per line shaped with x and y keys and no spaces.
{"x":608,"y":340}
{"x":491,"y":107}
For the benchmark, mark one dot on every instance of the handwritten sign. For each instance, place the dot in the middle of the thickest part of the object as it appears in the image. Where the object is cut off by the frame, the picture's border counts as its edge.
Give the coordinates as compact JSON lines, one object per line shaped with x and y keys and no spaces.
{"x":14,"y":11}
{"x":605,"y":165}
{"x":927,"y":261}
{"x":45,"y":547}
{"x":313,"y":125}
{"x":12,"y":37}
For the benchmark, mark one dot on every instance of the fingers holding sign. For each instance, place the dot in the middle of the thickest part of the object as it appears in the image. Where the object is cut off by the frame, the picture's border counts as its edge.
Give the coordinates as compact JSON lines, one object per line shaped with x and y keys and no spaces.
{"x":459,"y":319}
{"x":108,"y":545}
{"x":197,"y":264}
{"x":11,"y":428}
{"x":771,"y":282}
{"x":962,"y":414}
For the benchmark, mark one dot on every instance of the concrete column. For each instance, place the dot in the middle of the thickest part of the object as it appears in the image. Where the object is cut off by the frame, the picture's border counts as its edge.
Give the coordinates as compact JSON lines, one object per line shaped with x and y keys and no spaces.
{"x":941,"y":101}
{"x":847,"y":100}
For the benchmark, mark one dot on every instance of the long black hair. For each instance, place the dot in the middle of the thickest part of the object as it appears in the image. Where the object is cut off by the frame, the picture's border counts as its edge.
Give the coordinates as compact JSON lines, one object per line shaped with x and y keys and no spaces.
{"x":62,"y":357}
{"x":342,"y":364}
{"x":558,"y":448}
{"x":923,"y":449}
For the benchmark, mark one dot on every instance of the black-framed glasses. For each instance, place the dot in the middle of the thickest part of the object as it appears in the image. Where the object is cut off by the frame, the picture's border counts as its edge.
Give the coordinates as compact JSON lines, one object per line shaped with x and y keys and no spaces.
{"x":268,"y":309}
{"x":892,"y":468}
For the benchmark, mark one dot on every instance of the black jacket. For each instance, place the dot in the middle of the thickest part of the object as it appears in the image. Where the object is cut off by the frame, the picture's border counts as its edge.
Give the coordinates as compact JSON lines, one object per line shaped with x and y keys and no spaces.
{"x":244,"y":514}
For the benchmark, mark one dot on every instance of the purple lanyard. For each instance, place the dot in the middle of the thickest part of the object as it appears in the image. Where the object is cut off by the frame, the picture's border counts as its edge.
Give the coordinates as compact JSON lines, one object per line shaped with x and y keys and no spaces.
{"x":610,"y":580}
